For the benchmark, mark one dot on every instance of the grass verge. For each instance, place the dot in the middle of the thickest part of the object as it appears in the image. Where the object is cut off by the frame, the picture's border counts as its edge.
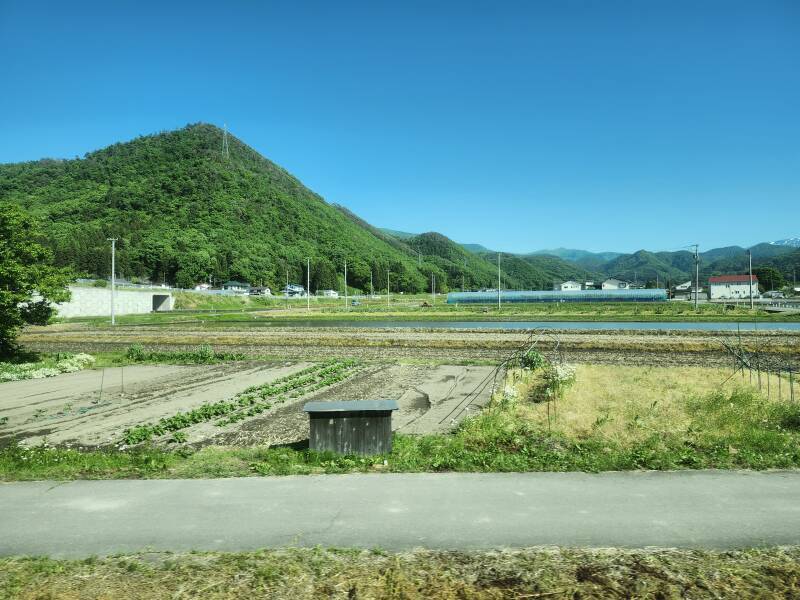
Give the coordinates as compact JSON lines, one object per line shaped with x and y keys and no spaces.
{"x":358,"y":574}
{"x":734,"y":429}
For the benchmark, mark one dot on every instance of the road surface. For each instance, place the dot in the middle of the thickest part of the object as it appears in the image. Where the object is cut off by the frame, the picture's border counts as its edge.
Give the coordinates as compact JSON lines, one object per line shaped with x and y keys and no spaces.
{"x":396,"y":512}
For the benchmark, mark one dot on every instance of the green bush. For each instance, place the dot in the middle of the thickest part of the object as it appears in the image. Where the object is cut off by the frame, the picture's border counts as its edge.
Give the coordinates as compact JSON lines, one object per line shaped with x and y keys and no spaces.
{"x":532,"y":359}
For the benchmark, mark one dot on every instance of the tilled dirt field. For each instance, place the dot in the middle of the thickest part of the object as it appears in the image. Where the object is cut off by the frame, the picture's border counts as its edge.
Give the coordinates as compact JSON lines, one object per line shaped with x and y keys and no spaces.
{"x":71,"y":409}
{"x":446,"y":345}
{"x":432,"y":399}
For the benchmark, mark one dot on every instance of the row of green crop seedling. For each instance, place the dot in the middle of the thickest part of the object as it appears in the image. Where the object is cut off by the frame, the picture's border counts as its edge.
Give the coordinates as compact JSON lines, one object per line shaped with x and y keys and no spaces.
{"x":250,"y":402}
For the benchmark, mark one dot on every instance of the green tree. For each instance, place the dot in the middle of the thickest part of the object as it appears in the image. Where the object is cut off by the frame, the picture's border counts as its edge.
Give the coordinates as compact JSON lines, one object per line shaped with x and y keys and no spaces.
{"x":769,"y":278}
{"x":29,"y":283}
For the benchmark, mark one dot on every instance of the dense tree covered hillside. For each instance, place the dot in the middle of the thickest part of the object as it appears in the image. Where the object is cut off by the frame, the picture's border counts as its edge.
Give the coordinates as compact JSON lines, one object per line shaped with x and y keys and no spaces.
{"x":184,"y":213}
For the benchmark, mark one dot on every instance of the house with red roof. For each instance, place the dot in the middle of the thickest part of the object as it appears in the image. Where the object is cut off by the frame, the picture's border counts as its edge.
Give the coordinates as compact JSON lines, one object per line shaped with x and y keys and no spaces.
{"x":732,"y":287}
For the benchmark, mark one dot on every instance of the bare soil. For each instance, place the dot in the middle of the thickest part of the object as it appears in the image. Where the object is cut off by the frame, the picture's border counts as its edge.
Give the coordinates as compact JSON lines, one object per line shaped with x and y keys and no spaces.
{"x":71,"y":410}
{"x":446,"y":345}
{"x":432,"y":399}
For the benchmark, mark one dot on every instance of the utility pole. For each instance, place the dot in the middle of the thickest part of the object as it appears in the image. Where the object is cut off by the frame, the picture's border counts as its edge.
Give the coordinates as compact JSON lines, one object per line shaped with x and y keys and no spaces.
{"x":308,"y":284}
{"x":113,"y":277}
{"x":345,"y":286}
{"x":387,"y":287}
{"x":697,"y":275}
{"x":750,"y":270}
{"x":433,"y":288}
{"x":498,"y":281}
{"x":371,"y":290}
{"x":462,"y":274}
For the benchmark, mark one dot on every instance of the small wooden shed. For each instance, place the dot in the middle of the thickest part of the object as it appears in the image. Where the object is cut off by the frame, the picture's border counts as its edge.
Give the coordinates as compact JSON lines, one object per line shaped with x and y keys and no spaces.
{"x":353,"y":427}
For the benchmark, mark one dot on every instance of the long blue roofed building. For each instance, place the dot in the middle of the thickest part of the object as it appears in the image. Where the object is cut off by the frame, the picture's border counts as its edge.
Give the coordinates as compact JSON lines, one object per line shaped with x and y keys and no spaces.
{"x":520,"y":297}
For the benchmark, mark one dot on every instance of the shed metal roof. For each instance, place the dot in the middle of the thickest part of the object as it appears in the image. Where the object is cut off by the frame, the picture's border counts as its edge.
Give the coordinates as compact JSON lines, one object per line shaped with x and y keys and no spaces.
{"x":732,"y":279}
{"x":351,"y":406}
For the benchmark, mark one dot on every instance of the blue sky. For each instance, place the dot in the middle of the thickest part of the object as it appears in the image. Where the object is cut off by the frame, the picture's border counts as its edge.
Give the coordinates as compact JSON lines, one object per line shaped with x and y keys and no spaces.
{"x":519,"y":125}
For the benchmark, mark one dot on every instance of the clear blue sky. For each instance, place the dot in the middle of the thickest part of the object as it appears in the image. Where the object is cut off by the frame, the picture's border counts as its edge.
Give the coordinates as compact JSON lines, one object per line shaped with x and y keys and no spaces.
{"x":521,"y":125}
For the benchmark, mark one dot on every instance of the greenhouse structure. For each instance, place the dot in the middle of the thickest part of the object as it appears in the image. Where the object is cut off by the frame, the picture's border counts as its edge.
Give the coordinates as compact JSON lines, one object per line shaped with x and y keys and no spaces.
{"x":490,"y":297}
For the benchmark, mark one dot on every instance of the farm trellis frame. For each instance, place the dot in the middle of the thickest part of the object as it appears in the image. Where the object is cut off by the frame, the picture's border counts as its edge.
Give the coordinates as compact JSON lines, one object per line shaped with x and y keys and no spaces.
{"x":762,"y":367}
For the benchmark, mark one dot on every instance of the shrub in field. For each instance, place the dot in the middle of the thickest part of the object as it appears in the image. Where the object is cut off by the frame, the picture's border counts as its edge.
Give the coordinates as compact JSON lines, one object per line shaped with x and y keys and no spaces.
{"x":136,"y":353}
{"x":203,"y":355}
{"x":65,"y":363}
{"x":532,"y":360}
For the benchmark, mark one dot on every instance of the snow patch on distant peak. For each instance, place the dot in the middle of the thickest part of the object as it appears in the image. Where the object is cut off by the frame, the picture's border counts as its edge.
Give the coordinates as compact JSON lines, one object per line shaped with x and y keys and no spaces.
{"x":793,"y":242}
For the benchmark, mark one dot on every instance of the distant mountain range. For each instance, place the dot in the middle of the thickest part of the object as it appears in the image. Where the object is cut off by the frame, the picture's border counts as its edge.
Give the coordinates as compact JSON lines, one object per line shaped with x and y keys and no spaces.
{"x":653,"y":267}
{"x":186,"y":213}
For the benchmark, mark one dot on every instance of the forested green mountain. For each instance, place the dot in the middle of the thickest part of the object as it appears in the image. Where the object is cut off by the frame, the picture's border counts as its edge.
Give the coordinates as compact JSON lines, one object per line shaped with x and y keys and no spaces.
{"x":579,"y":255}
{"x":183,"y":212}
{"x":475,"y":248}
{"x":400,"y":235}
{"x":480,"y":270}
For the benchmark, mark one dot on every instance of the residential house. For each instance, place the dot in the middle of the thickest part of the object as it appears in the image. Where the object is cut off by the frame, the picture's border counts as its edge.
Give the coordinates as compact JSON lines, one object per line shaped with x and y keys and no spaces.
{"x":567,"y":286}
{"x":237,"y":287}
{"x":328,"y":293}
{"x":731,"y":287}
{"x":260,"y":291}
{"x":615,"y":284}
{"x":293,"y":290}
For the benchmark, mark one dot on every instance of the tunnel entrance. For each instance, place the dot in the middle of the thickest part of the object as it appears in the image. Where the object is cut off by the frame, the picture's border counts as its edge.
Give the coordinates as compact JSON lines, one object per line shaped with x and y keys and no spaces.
{"x":160,"y":302}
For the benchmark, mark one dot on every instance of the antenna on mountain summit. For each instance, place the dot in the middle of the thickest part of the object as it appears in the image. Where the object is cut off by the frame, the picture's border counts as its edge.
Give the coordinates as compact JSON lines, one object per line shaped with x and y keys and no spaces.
{"x":225,"y":150}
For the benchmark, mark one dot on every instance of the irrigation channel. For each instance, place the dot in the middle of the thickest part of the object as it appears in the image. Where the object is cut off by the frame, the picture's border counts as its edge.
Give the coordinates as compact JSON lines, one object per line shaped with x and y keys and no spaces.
{"x":561,"y":325}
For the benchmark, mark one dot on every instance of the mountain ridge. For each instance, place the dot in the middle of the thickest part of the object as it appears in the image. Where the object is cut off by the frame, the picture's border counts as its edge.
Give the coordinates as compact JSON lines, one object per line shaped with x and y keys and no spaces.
{"x":184,"y":212}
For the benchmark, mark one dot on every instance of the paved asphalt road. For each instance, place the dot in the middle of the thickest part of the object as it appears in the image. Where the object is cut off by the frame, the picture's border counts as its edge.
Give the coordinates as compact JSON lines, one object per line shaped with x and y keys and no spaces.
{"x":395,"y":512}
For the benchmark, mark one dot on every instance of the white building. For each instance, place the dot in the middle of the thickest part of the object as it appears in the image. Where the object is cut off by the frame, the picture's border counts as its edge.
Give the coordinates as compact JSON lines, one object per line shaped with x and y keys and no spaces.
{"x":615,"y":284}
{"x":96,"y":302}
{"x":329,"y":293}
{"x":567,"y":286}
{"x":684,"y":287}
{"x":294,"y":291}
{"x":236,"y":287}
{"x":730,"y":287}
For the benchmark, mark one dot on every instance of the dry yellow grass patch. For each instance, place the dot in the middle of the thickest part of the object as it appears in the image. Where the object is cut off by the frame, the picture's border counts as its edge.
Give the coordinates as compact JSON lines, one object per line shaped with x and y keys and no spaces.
{"x":627,"y":404}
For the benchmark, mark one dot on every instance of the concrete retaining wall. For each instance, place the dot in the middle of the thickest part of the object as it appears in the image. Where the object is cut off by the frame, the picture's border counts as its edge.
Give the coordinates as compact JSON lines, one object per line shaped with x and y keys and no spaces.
{"x":96,"y":302}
